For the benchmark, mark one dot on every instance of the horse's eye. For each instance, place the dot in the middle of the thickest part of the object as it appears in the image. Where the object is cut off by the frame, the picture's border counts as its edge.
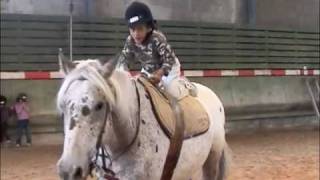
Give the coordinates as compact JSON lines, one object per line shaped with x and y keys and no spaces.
{"x":99,"y":106}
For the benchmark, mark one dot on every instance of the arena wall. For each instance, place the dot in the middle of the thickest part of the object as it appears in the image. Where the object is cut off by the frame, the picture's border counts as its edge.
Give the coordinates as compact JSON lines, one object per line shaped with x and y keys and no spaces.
{"x":251,"y":103}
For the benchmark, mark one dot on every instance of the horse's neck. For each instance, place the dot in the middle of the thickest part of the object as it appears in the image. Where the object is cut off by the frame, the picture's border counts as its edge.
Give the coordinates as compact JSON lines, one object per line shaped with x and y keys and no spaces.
{"x":125,"y":120}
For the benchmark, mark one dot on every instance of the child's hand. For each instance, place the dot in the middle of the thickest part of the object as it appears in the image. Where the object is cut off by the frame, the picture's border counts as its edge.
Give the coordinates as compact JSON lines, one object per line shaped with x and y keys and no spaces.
{"x":155,"y":78}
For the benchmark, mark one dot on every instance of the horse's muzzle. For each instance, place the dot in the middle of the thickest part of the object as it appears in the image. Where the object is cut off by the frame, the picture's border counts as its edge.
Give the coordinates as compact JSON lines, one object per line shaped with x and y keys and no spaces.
{"x":67,"y":173}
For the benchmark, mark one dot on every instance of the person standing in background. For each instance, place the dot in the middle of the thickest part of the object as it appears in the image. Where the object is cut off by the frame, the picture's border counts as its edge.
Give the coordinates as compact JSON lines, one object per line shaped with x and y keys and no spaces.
{"x":5,"y":114}
{"x":22,"y":111}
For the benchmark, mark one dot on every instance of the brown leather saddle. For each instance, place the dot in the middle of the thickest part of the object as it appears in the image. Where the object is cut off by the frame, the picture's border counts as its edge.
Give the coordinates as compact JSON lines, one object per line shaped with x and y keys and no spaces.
{"x":196,"y":119}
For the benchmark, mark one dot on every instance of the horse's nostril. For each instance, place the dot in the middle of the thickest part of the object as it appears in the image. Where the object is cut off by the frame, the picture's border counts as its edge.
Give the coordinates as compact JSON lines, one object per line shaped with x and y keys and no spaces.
{"x":63,"y":175}
{"x":78,"y":172}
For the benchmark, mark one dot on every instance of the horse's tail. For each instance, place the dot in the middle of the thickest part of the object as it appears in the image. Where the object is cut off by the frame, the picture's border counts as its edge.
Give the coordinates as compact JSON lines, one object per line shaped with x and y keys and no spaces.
{"x":224,"y":163}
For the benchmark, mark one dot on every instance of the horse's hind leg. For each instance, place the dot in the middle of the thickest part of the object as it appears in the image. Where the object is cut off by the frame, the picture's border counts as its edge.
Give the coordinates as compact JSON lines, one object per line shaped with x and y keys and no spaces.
{"x":211,"y":166}
{"x":214,"y":167}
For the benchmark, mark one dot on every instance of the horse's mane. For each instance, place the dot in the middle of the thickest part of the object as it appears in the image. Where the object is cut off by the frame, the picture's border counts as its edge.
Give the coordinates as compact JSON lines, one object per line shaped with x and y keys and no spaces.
{"x":92,"y":71}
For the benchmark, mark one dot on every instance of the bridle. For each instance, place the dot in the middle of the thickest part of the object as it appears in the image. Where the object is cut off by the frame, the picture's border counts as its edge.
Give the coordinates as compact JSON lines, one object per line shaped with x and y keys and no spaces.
{"x":109,"y":173}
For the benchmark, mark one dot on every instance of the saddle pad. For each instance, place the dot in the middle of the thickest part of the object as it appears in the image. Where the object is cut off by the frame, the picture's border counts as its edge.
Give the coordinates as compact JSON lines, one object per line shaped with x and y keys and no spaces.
{"x":196,"y":119}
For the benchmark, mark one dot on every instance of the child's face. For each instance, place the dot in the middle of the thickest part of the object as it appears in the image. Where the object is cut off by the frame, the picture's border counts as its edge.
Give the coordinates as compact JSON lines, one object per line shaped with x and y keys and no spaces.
{"x":139,"y":32}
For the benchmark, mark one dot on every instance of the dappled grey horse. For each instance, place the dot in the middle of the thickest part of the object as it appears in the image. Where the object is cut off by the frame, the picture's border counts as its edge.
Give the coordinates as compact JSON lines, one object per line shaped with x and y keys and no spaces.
{"x":103,"y":105}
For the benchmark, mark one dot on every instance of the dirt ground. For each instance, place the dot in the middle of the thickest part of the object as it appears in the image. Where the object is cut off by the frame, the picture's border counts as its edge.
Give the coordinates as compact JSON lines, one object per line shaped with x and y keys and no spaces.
{"x":264,"y":156}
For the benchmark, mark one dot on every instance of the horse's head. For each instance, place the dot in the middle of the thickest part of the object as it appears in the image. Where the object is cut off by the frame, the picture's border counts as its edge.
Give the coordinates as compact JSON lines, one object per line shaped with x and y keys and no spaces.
{"x":85,"y":101}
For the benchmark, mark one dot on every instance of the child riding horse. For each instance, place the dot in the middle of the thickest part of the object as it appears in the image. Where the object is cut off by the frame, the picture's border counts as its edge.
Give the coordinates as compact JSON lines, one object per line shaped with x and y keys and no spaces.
{"x":150,"y":48}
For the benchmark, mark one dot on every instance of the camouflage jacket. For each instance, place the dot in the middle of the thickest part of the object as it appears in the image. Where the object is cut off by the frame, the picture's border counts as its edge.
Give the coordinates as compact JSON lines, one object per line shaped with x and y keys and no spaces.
{"x":153,"y":54}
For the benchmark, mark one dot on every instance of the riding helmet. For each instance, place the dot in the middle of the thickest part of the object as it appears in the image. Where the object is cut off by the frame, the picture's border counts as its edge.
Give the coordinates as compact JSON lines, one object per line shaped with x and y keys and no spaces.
{"x":3,"y":100}
{"x":22,"y":96}
{"x":139,"y":13}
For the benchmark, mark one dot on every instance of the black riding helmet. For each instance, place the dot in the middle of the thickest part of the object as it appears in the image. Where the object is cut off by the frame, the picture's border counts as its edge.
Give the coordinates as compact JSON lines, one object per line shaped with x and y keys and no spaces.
{"x":3,"y":100}
{"x":22,"y":96}
{"x":139,"y":13}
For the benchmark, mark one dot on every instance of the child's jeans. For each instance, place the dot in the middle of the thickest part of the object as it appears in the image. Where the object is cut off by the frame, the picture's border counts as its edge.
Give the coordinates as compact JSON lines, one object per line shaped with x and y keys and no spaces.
{"x":23,"y":127}
{"x":4,"y":132}
{"x":174,"y":84}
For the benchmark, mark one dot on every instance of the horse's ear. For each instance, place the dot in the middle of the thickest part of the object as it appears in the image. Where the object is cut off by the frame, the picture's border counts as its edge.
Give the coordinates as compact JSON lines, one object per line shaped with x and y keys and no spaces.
{"x":65,"y":64}
{"x":110,"y":66}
